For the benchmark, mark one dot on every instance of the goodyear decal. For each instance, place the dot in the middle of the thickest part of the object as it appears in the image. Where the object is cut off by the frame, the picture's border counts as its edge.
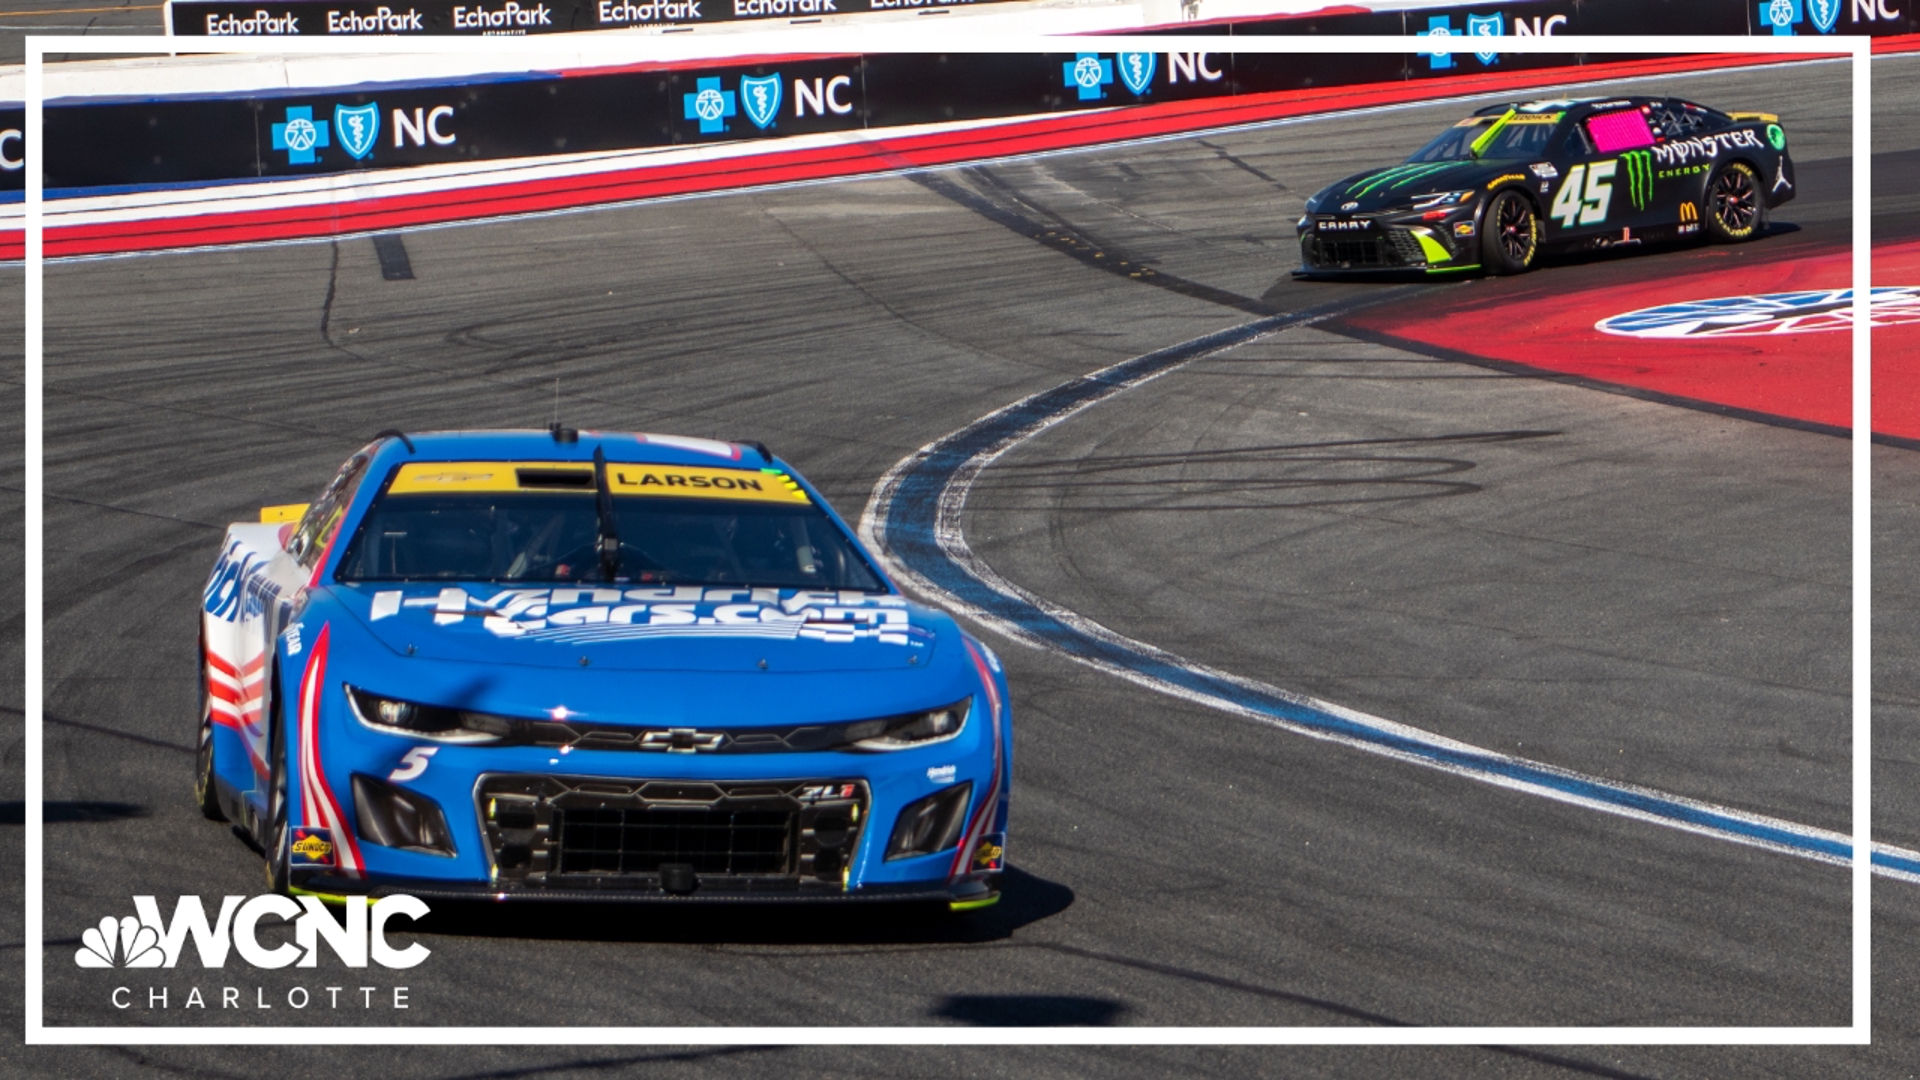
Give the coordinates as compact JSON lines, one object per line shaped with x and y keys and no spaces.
{"x":431,"y":477}
{"x":1498,"y":180}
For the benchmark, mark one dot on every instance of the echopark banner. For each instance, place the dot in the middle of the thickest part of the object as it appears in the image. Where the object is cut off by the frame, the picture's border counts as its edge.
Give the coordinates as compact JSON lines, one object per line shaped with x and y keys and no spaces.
{"x":251,"y":18}
{"x":245,"y":18}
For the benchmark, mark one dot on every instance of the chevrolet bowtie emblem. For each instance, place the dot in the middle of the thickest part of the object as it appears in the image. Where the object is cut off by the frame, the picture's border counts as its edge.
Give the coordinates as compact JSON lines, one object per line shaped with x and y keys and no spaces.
{"x":681,"y":740}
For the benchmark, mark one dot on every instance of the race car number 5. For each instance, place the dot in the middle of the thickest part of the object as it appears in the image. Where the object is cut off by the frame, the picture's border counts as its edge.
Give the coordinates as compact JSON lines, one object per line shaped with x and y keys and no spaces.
{"x":413,"y":764}
{"x":1571,"y":207}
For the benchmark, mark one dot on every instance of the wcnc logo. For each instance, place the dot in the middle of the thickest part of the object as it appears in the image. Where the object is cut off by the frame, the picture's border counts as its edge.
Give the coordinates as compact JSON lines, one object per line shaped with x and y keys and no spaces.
{"x":145,"y":940}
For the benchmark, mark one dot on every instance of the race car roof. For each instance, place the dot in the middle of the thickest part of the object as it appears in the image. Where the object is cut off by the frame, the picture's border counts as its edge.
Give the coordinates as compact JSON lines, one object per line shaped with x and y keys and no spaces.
{"x":1586,"y":104}
{"x":533,"y":446}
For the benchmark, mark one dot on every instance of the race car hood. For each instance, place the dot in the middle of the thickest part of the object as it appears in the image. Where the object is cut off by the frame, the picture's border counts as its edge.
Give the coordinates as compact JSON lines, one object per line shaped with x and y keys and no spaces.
{"x":1396,"y":186}
{"x":670,"y":628}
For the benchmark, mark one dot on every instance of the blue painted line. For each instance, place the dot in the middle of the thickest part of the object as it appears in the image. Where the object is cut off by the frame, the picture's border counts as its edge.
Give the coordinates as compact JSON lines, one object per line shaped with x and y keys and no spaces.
{"x":1902,"y":863}
{"x":910,"y":519}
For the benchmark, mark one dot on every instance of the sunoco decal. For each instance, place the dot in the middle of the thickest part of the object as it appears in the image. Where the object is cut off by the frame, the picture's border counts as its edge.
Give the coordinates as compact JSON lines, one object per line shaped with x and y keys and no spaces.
{"x":1812,"y":311}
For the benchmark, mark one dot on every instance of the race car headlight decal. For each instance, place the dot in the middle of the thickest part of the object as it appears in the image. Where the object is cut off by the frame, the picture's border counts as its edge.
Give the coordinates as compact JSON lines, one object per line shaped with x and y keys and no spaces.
{"x":1441,"y":198}
{"x":398,"y":717}
{"x":930,"y":824}
{"x":397,"y":818}
{"x":914,"y":729}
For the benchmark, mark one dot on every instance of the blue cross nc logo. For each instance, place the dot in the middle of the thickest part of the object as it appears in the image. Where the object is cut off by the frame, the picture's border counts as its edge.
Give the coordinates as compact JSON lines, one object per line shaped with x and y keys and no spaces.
{"x":1439,"y":26}
{"x":710,"y":105}
{"x":300,"y":135}
{"x":1089,"y":74}
{"x":1782,"y":15}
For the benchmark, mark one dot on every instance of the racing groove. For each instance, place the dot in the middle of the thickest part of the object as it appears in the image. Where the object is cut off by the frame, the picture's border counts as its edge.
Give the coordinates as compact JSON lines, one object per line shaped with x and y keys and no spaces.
{"x":1503,"y":560}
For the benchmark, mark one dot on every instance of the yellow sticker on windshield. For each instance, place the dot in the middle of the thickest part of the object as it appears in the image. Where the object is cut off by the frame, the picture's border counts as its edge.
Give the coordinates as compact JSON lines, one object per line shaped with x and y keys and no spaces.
{"x":623,"y":478}
{"x":428,"y":477}
{"x":1517,"y":118}
{"x":765,"y":485}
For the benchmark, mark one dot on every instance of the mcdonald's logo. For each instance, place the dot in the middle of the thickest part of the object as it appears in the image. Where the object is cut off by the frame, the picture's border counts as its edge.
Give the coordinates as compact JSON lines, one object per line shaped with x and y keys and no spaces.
{"x":1689,"y":212}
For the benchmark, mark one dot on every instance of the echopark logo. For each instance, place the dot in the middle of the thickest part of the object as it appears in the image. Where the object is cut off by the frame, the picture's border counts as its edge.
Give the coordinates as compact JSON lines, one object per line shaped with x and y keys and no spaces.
{"x":357,"y":937}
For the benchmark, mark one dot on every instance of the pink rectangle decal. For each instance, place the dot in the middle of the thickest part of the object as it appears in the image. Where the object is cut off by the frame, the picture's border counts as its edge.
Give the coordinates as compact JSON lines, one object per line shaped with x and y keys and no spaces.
{"x":1624,"y":130}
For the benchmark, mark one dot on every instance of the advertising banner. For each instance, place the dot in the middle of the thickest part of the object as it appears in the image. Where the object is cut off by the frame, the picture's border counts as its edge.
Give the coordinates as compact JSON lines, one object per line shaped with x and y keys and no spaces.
{"x":193,"y":141}
{"x":251,"y":18}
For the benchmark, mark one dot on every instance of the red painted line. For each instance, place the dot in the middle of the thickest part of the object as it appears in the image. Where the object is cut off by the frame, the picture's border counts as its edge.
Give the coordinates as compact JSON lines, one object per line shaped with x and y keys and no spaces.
{"x":1896,"y":349}
{"x":1068,"y":131}
{"x":1539,"y":322}
{"x":1899,"y":43}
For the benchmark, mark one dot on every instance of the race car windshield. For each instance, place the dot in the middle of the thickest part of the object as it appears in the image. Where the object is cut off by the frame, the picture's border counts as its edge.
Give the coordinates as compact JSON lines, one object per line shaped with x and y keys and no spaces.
{"x":551,"y":536}
{"x":1522,"y":137}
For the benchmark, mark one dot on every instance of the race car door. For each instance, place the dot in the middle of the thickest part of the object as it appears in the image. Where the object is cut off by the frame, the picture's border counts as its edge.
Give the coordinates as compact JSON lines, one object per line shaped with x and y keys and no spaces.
{"x":1608,"y":188}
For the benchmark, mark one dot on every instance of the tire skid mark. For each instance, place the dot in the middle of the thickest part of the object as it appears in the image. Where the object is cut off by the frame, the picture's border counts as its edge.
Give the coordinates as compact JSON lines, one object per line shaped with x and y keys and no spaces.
{"x":913,"y":520}
{"x":1071,"y":243}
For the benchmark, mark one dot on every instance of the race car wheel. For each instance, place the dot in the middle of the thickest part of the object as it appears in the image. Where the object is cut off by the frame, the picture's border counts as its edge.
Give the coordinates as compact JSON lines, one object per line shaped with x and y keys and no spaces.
{"x":1509,"y":234}
{"x":1735,"y":210}
{"x":204,"y":792}
{"x":279,"y":858}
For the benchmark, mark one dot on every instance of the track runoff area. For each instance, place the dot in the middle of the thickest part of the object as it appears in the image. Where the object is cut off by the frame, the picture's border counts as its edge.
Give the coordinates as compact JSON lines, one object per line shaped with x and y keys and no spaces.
{"x":1634,"y":591}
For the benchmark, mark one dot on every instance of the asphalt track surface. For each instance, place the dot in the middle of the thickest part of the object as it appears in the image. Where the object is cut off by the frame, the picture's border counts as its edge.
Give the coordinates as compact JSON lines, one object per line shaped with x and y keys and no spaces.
{"x":78,"y":18}
{"x":1636,"y":590}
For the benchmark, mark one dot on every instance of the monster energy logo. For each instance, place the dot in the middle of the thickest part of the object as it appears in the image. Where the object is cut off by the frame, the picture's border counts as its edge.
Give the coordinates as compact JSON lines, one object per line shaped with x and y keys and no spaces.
{"x":1639,"y":166}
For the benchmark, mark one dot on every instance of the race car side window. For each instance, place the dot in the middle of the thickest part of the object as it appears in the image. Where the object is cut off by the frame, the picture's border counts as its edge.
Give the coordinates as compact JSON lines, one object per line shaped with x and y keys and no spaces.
{"x":309,"y":539}
{"x":1578,"y":145}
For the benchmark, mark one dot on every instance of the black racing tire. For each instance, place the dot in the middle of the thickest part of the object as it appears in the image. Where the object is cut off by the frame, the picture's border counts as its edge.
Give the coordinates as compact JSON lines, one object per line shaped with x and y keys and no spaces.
{"x":279,"y":855}
{"x":1509,"y":234}
{"x":1736,"y":211}
{"x":205,"y":792}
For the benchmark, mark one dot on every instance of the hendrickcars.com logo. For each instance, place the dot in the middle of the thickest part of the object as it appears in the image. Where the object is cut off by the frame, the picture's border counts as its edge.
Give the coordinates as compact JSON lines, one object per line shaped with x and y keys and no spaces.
{"x":356,"y":936}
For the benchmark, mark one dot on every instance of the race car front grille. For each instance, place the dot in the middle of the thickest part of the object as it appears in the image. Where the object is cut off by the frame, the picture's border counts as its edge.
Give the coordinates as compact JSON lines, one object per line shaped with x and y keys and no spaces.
{"x":1345,"y":253}
{"x":1406,"y":248}
{"x":1383,"y":250}
{"x":620,"y":841}
{"x":677,"y":835}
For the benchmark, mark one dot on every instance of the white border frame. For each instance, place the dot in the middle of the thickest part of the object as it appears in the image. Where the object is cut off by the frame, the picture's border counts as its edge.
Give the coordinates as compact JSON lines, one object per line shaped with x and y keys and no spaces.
{"x":882,"y":39}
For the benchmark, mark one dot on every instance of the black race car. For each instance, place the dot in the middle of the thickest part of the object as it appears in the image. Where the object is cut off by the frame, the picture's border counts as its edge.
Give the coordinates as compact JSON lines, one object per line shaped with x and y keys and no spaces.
{"x":1511,"y":181}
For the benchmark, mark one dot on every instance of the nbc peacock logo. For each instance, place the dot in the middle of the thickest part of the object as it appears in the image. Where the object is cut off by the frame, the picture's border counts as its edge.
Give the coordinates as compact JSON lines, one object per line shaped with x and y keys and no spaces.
{"x":123,"y":943}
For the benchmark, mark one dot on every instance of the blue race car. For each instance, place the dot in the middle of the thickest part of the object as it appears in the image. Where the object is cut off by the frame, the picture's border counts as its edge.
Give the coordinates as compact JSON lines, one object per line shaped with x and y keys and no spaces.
{"x":592,"y":665}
